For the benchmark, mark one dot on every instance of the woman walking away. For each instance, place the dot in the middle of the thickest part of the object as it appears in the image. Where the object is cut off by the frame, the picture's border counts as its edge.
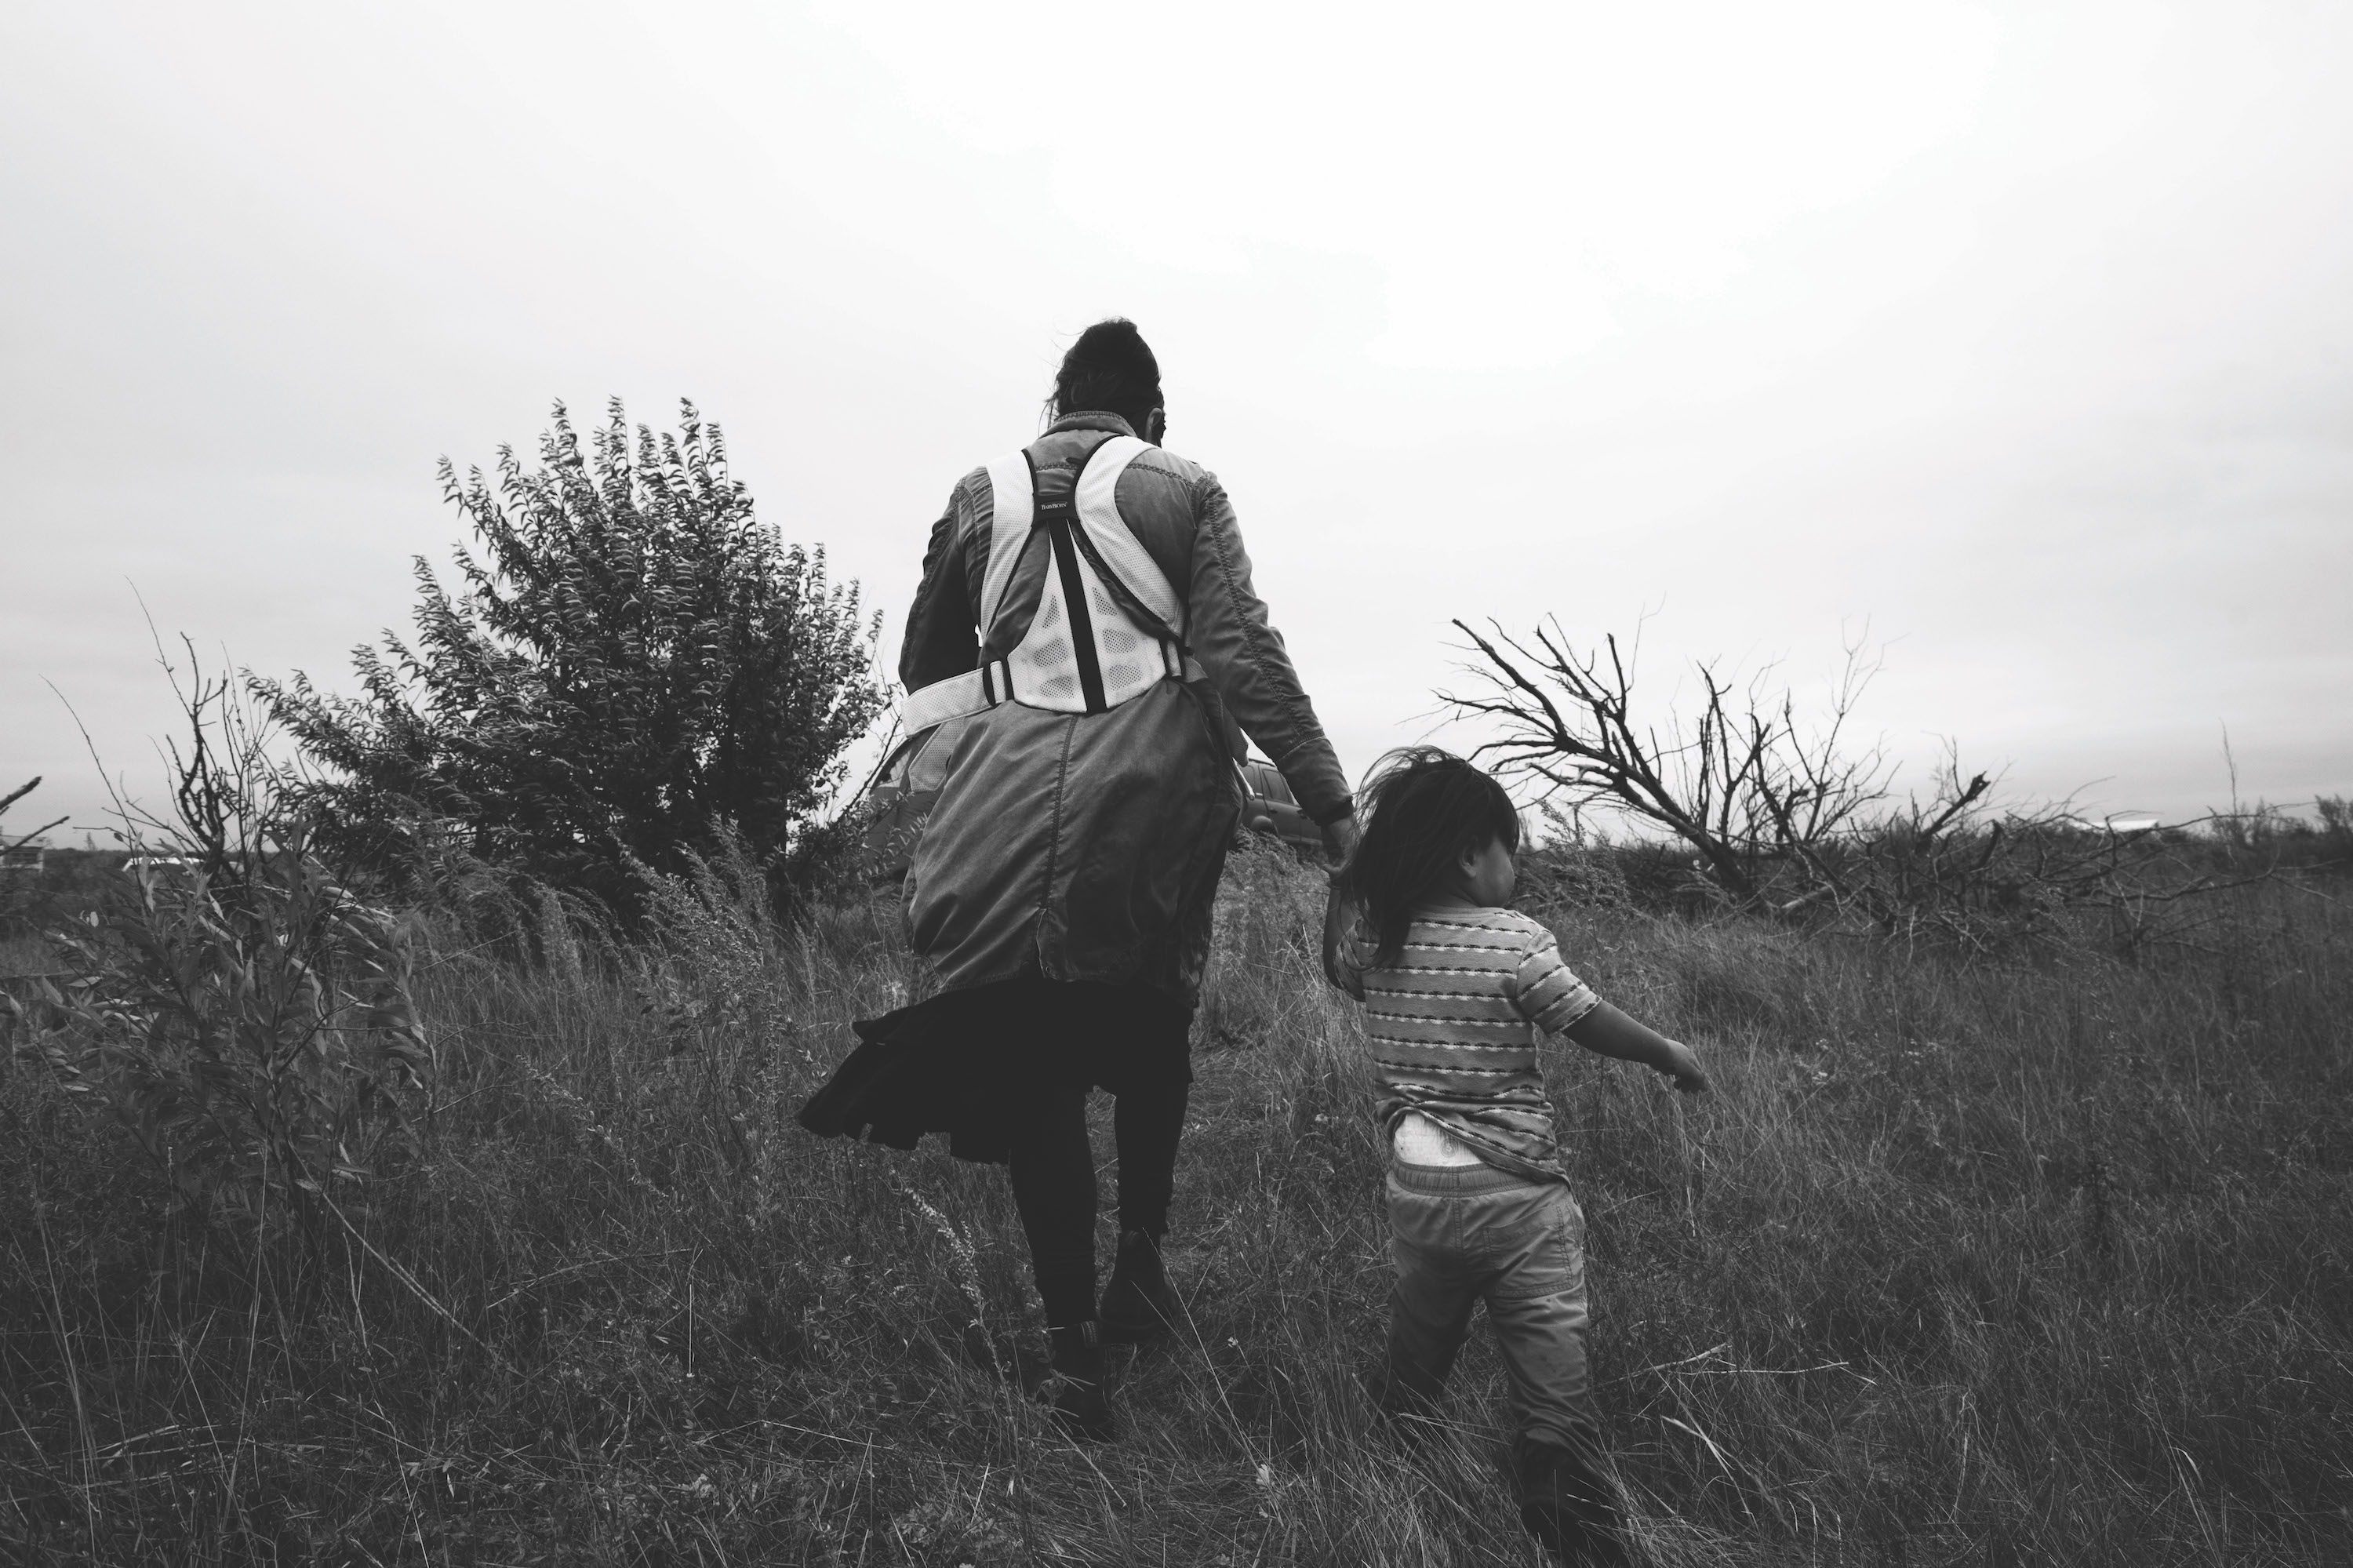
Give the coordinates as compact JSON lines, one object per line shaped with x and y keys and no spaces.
{"x":1081,"y":662}
{"x":1458,"y":991}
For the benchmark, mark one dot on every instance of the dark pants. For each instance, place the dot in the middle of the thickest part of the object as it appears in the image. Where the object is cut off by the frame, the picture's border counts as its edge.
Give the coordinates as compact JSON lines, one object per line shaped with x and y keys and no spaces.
{"x":1004,"y":1070}
{"x":1134,"y":1042}
{"x":1466,"y":1234}
{"x":1054,"y":1185}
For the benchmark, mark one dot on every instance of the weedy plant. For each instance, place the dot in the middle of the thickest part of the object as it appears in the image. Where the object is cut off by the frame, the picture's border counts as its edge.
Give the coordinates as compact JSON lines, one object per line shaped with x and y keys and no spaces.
{"x":240,"y":1012}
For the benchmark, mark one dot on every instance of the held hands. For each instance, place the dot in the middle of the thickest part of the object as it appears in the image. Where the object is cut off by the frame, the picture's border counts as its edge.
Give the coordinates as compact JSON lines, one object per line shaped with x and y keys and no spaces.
{"x":1339,"y":913}
{"x":1340,"y":838}
{"x":1682,"y":1066}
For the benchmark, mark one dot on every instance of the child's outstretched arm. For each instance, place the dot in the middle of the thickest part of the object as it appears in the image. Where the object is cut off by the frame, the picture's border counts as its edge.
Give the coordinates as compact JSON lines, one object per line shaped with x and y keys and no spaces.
{"x":1607,"y":1032}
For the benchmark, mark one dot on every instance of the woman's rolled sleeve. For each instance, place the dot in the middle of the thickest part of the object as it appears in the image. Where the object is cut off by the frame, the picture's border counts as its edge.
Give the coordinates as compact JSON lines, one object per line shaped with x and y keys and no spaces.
{"x":1245,"y":657}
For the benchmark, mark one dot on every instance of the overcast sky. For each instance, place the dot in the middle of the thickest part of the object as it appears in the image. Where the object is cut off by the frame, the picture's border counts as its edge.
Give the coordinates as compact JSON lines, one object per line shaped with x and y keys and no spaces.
{"x":2018,"y":338}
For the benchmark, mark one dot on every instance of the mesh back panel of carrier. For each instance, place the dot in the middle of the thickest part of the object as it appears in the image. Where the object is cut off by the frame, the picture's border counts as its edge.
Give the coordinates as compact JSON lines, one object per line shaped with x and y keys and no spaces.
{"x":1128,"y":656}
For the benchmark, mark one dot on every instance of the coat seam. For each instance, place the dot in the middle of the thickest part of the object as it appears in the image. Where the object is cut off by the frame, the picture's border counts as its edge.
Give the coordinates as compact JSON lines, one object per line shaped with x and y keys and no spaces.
{"x":1251,"y":639}
{"x":1053,"y":840}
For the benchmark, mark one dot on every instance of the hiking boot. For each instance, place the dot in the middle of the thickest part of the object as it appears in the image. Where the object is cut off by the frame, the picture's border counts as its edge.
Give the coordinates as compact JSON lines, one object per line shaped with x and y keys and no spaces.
{"x":1138,"y":1306}
{"x":1569,"y":1507}
{"x":1081,"y":1403}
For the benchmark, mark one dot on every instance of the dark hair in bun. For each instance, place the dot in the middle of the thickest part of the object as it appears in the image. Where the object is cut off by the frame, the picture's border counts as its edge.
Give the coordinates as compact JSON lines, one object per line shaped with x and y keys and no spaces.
{"x":1111,"y":368}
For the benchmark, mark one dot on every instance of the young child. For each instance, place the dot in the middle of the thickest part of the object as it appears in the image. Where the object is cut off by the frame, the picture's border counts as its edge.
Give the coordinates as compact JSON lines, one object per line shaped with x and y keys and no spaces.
{"x":1457,"y":991}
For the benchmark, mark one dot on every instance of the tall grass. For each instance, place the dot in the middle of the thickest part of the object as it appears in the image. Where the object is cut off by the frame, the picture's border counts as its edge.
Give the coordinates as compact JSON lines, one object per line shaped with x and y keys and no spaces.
{"x":2038,"y":1262}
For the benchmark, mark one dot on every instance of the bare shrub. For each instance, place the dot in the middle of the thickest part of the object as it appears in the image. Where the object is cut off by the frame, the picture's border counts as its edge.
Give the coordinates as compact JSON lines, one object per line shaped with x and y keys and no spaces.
{"x":1739,"y":781}
{"x":1789,"y":816}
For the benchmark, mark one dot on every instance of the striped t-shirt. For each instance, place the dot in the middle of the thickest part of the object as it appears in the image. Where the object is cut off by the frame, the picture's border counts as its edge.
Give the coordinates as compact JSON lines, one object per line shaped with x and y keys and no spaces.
{"x":1454,"y":1028}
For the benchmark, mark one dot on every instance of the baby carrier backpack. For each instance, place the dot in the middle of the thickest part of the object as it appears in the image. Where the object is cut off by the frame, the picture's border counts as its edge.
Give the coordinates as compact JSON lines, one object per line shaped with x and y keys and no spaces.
{"x":1108,"y":627}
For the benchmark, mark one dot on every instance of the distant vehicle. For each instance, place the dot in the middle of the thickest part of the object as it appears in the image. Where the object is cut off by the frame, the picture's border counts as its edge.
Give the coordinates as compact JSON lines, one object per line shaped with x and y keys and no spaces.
{"x":903,"y":792}
{"x":1269,"y":808}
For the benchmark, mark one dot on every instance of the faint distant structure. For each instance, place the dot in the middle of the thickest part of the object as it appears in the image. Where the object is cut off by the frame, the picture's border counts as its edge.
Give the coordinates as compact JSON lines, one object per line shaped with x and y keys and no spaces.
{"x":2118,"y":822}
{"x":26,"y":850}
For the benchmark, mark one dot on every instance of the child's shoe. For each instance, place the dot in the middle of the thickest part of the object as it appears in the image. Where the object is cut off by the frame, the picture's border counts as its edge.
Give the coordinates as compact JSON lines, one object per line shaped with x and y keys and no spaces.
{"x":1569,"y":1507}
{"x":1081,"y":1403}
{"x":1410,"y":1411}
{"x":1138,"y":1306}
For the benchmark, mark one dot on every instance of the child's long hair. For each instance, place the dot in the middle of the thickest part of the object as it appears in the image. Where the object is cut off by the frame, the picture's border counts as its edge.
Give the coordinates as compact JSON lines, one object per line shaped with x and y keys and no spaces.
{"x":1421,"y":808}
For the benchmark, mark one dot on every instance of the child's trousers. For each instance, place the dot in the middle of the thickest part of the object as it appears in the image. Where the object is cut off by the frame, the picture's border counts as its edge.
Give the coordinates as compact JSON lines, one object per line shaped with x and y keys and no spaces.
{"x":1462,"y":1235}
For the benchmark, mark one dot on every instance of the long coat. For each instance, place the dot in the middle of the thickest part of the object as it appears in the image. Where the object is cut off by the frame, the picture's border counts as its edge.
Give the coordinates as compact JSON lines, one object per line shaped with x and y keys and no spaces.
{"x":1087,"y":847}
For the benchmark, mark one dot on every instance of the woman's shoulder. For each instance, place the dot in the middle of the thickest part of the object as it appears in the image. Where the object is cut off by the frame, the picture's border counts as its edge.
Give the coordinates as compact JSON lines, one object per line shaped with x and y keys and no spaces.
{"x":1160,"y":459}
{"x":972,"y":499}
{"x":1158,"y":468}
{"x":974,"y":486}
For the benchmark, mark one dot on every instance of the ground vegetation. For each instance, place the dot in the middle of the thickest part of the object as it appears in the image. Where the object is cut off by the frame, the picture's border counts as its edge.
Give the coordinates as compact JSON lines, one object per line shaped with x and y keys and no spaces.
{"x":2016,"y":1259}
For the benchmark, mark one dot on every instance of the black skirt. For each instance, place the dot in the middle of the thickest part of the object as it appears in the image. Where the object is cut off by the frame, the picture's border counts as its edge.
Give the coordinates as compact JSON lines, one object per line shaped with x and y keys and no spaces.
{"x":975,"y":1063}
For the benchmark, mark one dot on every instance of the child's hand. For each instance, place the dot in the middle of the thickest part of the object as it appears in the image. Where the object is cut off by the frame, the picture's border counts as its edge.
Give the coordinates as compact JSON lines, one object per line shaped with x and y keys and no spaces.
{"x":1682,"y":1066}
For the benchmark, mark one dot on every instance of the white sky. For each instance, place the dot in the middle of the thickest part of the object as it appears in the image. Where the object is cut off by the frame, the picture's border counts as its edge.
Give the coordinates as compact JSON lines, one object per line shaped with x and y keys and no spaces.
{"x":2019,"y":333}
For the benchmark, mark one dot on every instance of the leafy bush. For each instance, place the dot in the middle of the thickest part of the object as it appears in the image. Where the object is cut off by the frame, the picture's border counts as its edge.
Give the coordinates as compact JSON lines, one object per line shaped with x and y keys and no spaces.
{"x":635,"y":662}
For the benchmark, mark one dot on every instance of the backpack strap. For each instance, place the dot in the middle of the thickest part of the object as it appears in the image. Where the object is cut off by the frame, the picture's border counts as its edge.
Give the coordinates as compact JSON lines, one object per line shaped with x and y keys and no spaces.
{"x":1116,"y":550}
{"x":1013,"y":504}
{"x":1087,"y":520}
{"x":1055,"y":515}
{"x":954,"y":698}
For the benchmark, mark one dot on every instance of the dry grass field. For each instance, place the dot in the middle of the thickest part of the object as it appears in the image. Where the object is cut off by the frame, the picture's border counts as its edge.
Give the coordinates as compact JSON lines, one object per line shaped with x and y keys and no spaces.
{"x":2022,"y":1261}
